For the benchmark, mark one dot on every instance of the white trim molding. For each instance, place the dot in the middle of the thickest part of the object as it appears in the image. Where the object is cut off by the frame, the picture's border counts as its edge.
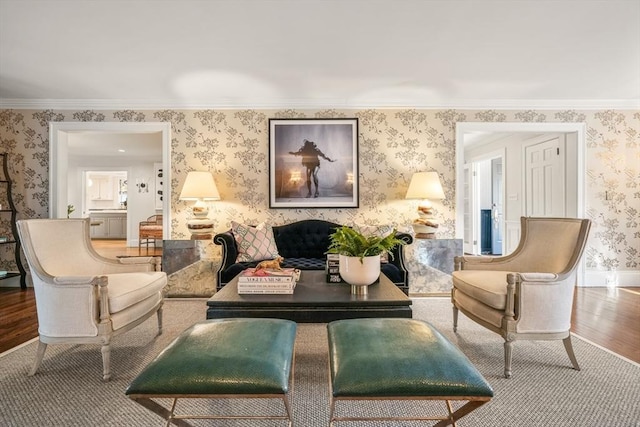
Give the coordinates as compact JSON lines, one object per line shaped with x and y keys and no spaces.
{"x":617,"y":279}
{"x":252,"y":104}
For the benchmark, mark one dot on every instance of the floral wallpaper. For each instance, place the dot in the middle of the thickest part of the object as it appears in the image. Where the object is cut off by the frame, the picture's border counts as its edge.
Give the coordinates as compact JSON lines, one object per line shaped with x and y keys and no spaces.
{"x":233,"y":145}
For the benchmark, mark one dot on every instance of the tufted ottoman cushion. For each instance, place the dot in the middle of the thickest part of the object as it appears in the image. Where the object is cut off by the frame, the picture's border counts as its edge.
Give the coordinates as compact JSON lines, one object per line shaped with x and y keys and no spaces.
{"x":400,"y":358}
{"x":221,"y":358}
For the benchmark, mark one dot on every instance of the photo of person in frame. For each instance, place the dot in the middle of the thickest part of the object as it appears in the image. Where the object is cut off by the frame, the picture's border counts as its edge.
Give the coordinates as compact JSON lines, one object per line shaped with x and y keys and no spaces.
{"x":311,"y":155}
{"x":313,"y":163}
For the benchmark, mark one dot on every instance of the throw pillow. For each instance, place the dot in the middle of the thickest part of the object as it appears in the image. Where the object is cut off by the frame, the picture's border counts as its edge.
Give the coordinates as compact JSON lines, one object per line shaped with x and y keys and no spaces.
{"x":375,"y":230}
{"x":254,"y":243}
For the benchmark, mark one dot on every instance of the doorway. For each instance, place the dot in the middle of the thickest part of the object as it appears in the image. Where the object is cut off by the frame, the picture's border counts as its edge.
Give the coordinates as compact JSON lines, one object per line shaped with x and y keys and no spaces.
{"x":484,"y":204}
{"x":477,"y":138}
{"x":61,"y":136}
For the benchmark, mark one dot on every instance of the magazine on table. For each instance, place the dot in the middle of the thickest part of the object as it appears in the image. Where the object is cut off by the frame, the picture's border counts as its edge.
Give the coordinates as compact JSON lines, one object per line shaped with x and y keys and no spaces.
{"x":267,"y":275}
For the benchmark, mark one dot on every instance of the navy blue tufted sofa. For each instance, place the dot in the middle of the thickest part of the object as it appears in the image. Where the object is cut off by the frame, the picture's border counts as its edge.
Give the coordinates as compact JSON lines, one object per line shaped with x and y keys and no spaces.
{"x":303,"y":245}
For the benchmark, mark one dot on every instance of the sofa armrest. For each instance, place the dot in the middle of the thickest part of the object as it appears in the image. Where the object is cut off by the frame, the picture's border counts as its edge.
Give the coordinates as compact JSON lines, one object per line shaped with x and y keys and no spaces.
{"x":397,"y":259}
{"x":229,"y":251}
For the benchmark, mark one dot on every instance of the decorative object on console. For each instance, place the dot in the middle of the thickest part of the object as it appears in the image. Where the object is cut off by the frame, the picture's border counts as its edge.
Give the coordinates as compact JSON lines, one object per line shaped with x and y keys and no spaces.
{"x":425,"y":186}
{"x":142,"y":184}
{"x":271,"y":264}
{"x":159,"y":177}
{"x":200,"y":186}
{"x":360,"y":256}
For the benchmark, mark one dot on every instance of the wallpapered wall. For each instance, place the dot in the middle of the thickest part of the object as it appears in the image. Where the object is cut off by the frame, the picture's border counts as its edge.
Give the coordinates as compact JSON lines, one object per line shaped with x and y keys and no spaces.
{"x":233,"y":144}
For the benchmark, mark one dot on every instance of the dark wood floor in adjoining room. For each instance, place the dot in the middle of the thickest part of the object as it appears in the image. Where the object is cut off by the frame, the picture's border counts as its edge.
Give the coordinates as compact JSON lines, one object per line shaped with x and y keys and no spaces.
{"x":607,"y":317}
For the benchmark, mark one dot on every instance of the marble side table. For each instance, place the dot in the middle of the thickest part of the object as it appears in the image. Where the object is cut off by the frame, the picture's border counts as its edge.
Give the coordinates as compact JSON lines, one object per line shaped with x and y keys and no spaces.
{"x":430,"y":265}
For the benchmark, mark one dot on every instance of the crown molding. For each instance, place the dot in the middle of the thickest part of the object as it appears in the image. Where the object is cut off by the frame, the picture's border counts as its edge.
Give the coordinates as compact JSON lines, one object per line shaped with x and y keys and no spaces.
{"x":488,"y":104}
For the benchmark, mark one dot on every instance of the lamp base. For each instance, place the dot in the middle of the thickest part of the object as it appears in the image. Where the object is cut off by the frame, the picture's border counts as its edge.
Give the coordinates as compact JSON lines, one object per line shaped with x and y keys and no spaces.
{"x":199,"y":226}
{"x":425,"y":235}
{"x":425,"y":227}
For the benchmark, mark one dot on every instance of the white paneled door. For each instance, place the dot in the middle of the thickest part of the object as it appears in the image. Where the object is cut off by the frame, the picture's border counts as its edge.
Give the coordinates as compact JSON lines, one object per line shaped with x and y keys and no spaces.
{"x":544,"y":176}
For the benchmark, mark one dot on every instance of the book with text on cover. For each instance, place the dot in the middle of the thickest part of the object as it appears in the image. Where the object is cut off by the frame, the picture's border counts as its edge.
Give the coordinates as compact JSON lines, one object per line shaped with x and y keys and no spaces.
{"x":266,"y":287}
{"x":262,"y":291}
{"x":286,"y":275}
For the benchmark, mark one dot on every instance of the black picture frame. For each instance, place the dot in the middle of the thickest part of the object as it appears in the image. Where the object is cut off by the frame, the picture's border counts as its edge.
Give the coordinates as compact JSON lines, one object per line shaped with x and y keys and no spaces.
{"x":313,"y":163}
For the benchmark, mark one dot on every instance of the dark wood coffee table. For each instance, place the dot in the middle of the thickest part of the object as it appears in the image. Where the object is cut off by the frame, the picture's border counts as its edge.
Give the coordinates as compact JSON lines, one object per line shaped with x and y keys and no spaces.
{"x":313,"y":301}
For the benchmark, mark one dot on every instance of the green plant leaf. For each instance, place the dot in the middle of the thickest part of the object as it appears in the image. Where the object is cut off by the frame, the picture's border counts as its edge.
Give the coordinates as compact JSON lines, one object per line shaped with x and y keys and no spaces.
{"x":346,"y":241}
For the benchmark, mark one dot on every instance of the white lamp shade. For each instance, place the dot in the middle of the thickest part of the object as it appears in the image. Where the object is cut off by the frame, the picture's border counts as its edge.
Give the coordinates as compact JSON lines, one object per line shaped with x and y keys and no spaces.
{"x":425,"y":185}
{"x":199,"y":186}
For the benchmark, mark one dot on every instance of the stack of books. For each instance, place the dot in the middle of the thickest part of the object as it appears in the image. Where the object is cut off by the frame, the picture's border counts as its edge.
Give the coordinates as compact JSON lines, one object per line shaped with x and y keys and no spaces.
{"x":333,"y":269}
{"x":268,"y":281}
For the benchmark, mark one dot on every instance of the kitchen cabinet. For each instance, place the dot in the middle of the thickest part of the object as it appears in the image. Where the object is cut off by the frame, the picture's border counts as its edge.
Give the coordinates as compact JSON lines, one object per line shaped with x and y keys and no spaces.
{"x":108,"y":224}
{"x":101,"y":187}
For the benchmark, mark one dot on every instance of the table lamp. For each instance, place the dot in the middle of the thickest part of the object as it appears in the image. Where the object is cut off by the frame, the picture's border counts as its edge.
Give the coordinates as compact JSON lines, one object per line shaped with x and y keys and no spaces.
{"x":200,"y":186}
{"x":425,"y":186}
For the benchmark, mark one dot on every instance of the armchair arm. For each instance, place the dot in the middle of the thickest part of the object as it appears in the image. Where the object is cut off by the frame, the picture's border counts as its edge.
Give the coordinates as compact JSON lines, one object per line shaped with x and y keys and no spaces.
{"x":539,"y":277}
{"x":71,"y":306}
{"x":480,"y":262}
{"x":150,"y":262}
{"x":101,"y":265}
{"x":75,"y":280}
{"x":544,"y":301}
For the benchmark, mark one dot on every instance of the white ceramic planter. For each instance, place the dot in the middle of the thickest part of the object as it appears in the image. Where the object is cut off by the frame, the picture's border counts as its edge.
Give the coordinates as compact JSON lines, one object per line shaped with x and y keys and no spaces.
{"x":359,"y":274}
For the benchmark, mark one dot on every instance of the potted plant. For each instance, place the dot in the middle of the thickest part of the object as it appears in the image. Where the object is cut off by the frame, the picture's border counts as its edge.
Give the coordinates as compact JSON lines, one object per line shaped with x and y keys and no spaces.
{"x":360,"y":255}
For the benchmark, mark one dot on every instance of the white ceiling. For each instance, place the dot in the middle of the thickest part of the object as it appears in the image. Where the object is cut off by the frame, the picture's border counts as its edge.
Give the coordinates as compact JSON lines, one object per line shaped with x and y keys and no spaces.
{"x":124,"y":145}
{"x":320,"y":53}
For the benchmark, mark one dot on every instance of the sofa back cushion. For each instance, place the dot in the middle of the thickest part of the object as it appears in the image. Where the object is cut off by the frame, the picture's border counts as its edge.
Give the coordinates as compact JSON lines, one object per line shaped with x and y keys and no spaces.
{"x":304,"y":239}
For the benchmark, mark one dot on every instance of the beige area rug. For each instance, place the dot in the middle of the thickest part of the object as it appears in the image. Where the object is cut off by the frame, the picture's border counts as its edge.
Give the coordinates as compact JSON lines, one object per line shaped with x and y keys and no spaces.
{"x":544,"y":390}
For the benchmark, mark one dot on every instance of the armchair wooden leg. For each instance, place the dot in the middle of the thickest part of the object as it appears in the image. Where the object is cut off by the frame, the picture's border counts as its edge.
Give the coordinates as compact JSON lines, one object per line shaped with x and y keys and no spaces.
{"x":569,"y":347}
{"x":508,"y":347}
{"x":455,"y":319}
{"x":159,"y":321}
{"x":106,"y":362}
{"x":42,"y":347}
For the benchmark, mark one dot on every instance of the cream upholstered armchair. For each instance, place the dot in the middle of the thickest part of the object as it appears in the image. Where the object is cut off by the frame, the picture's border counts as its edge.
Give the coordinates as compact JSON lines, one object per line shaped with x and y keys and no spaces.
{"x":529,"y":293}
{"x":82,"y":297}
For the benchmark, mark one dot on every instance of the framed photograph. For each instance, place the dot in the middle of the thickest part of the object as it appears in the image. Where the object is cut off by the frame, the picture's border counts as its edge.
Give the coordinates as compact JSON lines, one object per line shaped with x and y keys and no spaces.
{"x":313,"y":163}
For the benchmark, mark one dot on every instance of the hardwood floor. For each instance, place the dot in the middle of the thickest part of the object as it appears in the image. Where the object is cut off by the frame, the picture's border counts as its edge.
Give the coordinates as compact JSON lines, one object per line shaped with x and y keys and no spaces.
{"x":607,"y":317}
{"x":114,"y":248}
{"x":610,"y":318}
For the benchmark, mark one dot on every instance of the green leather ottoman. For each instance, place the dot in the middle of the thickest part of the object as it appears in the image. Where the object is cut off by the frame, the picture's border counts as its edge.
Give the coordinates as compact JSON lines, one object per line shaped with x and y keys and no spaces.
{"x":224,"y":358}
{"x":398,"y":359}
